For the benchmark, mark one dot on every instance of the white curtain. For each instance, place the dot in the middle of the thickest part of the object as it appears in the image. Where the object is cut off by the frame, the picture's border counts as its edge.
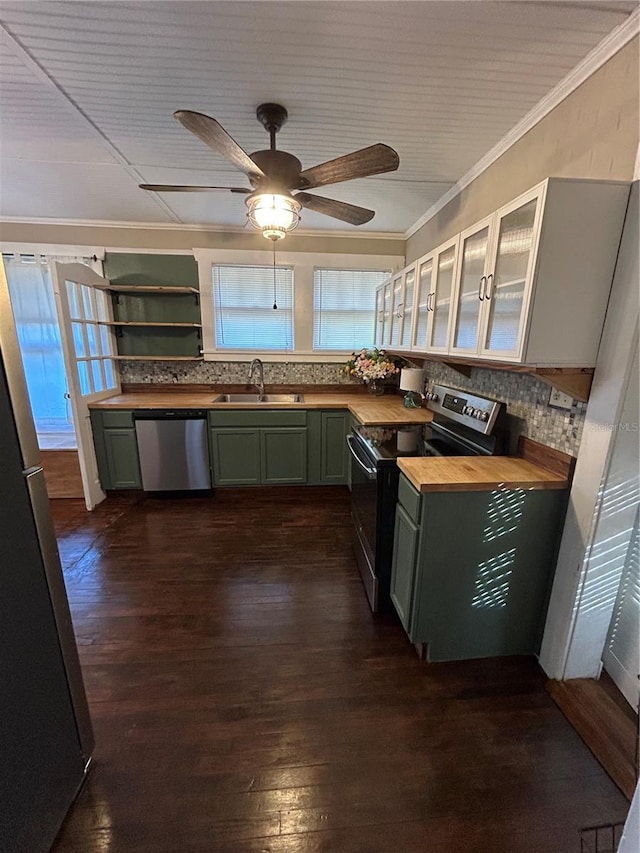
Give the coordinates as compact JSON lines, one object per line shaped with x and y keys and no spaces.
{"x":36,"y":317}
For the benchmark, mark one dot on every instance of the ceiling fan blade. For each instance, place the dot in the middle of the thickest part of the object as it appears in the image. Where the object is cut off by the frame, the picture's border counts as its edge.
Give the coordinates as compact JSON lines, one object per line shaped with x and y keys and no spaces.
{"x":338,"y":209}
{"x":213,"y":134}
{"x":373,"y":160}
{"x":173,"y":188}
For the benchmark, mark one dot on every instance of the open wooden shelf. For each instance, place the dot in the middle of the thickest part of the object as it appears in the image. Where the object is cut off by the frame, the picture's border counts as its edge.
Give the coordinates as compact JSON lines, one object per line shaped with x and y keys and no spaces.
{"x":574,"y":381}
{"x":147,"y":323}
{"x":157,"y":357}
{"x":162,"y":289}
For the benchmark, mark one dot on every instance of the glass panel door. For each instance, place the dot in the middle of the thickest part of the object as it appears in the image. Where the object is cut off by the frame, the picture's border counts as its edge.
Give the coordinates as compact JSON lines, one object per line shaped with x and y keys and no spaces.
{"x":440,"y":304}
{"x":471,"y":284}
{"x":507,"y":286}
{"x":396,"y":311}
{"x":89,"y":348}
{"x":425,"y":276}
{"x":407,"y":311}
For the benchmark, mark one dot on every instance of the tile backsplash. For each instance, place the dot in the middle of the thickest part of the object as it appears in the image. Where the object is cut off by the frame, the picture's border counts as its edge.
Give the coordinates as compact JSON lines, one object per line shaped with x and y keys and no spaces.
{"x":232,"y":372}
{"x":526,"y":399}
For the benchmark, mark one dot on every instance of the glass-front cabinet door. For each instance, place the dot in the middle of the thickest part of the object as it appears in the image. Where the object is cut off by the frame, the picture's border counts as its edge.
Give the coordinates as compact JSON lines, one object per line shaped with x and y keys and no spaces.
{"x":396,"y":311}
{"x":387,"y":309}
{"x":424,"y":274}
{"x":508,"y":283}
{"x":408,"y":298}
{"x":470,"y":287}
{"x":441,"y":295}
{"x":378,"y":331}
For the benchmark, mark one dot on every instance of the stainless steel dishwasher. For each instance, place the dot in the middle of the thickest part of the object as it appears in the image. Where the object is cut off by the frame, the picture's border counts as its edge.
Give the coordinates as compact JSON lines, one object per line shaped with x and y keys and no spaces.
{"x":172,"y":444}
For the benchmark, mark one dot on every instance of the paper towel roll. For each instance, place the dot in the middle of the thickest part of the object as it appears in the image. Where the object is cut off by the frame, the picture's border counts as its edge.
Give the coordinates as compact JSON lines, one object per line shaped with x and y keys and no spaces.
{"x":411,"y":379}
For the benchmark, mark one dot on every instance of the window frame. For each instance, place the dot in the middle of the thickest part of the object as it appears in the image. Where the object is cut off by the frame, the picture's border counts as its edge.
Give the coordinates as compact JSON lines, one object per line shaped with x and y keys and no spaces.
{"x":304,"y":265}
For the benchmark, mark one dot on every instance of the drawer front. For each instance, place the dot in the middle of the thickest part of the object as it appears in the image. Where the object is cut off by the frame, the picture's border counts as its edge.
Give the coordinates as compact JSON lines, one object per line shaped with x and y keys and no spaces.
{"x":253,"y":418}
{"x":410,"y":498}
{"x":116,"y":418}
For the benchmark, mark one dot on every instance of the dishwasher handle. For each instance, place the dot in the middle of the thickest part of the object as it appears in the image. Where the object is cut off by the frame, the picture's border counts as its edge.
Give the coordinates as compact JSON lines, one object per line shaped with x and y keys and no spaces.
{"x":169,"y":415}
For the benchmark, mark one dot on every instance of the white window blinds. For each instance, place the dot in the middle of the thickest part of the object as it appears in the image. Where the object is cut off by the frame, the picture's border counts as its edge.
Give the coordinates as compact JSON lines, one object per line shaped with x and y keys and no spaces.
{"x":344,"y":308}
{"x":244,"y":298}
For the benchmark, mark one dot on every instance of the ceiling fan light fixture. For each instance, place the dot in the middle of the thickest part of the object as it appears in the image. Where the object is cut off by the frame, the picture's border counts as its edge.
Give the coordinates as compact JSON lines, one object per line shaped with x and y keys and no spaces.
{"x":274,"y":214}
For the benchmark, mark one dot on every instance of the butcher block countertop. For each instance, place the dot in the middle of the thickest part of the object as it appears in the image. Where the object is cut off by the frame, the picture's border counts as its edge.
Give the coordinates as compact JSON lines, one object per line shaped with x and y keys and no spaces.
{"x":478,"y":474}
{"x":369,"y":410}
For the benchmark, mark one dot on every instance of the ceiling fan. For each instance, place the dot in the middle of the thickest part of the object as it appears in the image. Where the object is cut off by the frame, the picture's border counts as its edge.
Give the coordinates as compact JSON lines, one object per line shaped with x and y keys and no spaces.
{"x":275,"y":175}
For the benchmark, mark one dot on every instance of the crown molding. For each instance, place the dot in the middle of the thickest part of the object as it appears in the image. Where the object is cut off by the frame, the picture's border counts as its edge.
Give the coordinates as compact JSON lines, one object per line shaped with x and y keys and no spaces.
{"x":608,"y":47}
{"x":173,"y":226}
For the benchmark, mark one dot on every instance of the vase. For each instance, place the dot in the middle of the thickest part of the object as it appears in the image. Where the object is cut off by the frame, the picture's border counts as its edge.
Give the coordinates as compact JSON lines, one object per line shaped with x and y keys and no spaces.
{"x":376,"y":388}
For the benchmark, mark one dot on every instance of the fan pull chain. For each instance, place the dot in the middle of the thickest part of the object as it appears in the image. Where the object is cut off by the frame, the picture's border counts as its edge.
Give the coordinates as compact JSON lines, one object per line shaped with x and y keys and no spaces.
{"x":275,"y":301}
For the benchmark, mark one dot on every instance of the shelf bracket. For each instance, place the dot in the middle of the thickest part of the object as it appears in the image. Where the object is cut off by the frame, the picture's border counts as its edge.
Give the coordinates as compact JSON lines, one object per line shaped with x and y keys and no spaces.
{"x":462,"y":369}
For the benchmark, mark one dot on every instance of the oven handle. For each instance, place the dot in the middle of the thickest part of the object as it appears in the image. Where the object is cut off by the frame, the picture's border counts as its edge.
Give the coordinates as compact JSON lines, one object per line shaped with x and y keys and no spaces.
{"x":370,"y":472}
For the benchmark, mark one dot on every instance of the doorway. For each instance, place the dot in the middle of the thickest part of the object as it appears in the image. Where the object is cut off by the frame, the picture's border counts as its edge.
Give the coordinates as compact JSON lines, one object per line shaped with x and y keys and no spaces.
{"x":39,"y":335}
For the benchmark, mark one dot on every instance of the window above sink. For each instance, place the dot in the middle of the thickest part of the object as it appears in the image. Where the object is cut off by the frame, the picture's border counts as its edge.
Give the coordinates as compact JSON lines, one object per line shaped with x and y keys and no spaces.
{"x":312,"y":317}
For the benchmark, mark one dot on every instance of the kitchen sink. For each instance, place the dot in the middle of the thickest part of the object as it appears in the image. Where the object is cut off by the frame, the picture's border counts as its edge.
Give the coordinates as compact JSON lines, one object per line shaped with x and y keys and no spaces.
{"x":256,"y":398}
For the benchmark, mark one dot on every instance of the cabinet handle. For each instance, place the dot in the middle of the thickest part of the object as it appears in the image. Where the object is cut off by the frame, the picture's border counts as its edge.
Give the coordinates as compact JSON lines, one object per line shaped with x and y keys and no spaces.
{"x":481,"y":286}
{"x":433,"y":299}
{"x":429,"y":301}
{"x":399,"y":311}
{"x":487,"y":293}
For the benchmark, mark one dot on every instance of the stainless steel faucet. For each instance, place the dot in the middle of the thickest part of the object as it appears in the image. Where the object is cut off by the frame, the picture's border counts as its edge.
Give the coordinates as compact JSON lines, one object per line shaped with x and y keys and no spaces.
{"x":256,"y":364}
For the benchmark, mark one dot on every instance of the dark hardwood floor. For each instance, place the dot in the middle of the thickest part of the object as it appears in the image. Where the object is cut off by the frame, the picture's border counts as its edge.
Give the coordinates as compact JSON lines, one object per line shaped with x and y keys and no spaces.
{"x":245,"y":700}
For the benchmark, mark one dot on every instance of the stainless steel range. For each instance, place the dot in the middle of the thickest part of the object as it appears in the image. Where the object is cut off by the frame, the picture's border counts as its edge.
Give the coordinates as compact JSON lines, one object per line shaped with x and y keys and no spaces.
{"x":463,"y":424}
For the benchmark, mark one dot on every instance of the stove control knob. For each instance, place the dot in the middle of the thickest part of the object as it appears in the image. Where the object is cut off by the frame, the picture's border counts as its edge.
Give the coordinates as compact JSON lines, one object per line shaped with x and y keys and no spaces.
{"x":468,"y":410}
{"x":434,"y":396}
{"x":484,"y":416}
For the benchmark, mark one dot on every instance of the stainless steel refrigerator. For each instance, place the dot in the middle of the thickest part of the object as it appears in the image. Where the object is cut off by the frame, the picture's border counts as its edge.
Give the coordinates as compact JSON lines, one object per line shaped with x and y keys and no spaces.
{"x":46,"y":739}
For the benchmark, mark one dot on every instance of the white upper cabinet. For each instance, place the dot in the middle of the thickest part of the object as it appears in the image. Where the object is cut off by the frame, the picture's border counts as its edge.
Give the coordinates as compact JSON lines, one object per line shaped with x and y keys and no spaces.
{"x":397,"y":299}
{"x":508,"y":284}
{"x":495,"y":280}
{"x":440,"y":304}
{"x":408,"y":306}
{"x":528,"y":284}
{"x":423,"y":298}
{"x":436,"y":278}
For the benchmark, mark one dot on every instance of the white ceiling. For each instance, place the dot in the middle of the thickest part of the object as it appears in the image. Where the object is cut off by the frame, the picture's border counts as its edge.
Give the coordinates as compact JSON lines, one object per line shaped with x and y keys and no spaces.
{"x":87,"y":92}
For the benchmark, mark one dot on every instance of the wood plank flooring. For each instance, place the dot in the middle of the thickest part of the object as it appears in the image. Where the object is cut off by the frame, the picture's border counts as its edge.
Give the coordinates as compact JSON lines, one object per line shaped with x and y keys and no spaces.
{"x":610,"y":731}
{"x":245,"y":700}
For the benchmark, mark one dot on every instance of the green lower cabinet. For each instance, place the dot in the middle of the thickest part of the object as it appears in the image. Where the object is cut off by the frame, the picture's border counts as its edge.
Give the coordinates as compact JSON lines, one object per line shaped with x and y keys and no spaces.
{"x":284,"y":456}
{"x":334,"y":455}
{"x":327,"y":447}
{"x":235,"y":456}
{"x":116,"y":449}
{"x":268,"y":456}
{"x":472,"y":577}
{"x":405,"y":544}
{"x":121,"y":448}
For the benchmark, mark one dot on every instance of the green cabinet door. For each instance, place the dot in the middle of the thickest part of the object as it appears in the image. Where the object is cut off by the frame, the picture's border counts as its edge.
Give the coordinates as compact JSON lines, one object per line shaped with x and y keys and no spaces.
{"x":284,"y":456}
{"x":121,"y":456}
{"x":235,"y":453}
{"x":405,"y":544}
{"x":333,"y":461}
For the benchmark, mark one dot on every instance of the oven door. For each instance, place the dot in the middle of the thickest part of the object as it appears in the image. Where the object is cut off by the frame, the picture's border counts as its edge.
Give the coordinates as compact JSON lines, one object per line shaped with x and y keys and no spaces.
{"x":364,"y":512}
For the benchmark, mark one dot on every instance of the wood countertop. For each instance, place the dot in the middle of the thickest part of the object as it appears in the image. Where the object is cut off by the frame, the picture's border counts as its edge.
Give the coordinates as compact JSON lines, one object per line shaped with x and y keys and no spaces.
{"x":370,"y":411}
{"x":478,"y":474}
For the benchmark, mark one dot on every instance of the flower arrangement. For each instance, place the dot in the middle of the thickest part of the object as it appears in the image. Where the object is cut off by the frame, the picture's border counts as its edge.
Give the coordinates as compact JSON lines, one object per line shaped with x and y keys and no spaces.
{"x":371,"y":365}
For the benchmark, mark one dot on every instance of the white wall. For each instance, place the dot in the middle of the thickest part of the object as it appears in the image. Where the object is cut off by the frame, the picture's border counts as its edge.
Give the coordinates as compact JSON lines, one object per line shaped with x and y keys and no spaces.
{"x":575,"y":631}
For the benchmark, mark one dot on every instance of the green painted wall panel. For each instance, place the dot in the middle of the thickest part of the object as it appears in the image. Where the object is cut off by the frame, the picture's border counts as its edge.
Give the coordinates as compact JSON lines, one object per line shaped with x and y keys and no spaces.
{"x":149,"y":269}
